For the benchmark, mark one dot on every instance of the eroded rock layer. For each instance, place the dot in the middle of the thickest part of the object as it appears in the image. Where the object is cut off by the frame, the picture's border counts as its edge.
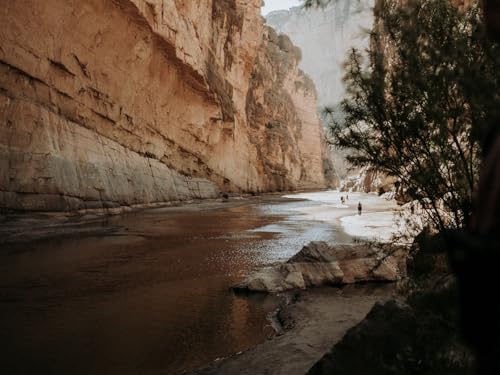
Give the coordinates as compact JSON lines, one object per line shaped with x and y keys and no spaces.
{"x":111,"y":103}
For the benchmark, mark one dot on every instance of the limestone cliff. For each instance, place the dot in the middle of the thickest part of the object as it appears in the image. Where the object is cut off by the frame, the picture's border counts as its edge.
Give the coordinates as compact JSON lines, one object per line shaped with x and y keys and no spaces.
{"x":281,"y":108}
{"x":325,"y":36}
{"x":108,"y":103}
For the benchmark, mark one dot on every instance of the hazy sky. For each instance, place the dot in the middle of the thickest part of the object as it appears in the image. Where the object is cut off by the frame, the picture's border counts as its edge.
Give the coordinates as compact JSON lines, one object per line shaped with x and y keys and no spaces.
{"x":278,"y":4}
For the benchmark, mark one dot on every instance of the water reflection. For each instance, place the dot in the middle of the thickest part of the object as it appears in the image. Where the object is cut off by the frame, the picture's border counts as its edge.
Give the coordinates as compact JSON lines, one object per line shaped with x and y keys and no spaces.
{"x":151,"y":296}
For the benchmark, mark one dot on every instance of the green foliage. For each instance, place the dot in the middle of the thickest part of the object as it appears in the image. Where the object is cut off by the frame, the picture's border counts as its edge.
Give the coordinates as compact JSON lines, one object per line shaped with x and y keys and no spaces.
{"x":421,"y":102}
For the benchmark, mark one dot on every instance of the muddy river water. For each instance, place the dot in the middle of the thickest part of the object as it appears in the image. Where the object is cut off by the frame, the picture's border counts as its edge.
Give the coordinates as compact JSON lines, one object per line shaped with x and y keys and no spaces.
{"x":151,"y":296}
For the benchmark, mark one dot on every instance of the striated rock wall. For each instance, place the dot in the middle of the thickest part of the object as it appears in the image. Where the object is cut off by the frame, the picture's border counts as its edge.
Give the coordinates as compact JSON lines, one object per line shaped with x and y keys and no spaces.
{"x":108,"y":103}
{"x":284,"y":120}
{"x":326,"y":35}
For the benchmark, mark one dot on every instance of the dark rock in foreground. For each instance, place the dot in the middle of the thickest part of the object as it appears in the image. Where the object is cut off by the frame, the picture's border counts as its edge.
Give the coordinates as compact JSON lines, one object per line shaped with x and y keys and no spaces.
{"x":319,"y":264}
{"x":390,"y":325}
{"x":420,"y":337}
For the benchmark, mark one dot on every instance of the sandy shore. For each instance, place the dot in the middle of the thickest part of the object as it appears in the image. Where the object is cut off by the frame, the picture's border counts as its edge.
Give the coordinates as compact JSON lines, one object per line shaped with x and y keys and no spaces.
{"x":315,"y":321}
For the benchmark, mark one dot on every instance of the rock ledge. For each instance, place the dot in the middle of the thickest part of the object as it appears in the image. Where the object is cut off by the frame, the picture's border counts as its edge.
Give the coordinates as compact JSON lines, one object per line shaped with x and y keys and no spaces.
{"x":319,"y":264}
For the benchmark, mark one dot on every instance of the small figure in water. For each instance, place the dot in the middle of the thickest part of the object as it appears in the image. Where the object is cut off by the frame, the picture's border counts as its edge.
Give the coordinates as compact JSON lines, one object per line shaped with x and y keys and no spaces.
{"x":360,"y":208}
{"x":342,"y":199}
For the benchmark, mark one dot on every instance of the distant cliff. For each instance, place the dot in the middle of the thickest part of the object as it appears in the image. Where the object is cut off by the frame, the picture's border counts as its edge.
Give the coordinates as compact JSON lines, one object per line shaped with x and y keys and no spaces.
{"x":112,"y":103}
{"x":325,"y":35}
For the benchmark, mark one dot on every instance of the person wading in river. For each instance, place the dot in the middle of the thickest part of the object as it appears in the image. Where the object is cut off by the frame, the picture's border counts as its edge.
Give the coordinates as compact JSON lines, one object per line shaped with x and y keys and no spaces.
{"x":360,"y":208}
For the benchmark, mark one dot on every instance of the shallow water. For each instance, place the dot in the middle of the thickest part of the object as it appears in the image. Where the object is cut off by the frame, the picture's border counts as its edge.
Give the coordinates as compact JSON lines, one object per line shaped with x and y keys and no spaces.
{"x":150,"y":293}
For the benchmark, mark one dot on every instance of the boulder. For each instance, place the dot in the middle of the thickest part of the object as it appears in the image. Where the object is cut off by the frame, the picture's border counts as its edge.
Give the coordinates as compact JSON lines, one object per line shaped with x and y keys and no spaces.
{"x":319,"y":264}
{"x":418,"y":337}
{"x":273,"y":280}
{"x":370,"y":347}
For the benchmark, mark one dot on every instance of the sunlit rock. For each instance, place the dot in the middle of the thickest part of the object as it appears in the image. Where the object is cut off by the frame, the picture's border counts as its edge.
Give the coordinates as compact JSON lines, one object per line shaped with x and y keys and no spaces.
{"x":319,"y":264}
{"x":137,"y":102}
{"x":325,"y":36}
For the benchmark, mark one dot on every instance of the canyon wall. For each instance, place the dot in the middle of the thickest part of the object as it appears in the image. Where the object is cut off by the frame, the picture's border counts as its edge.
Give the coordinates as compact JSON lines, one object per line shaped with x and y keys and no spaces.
{"x":112,"y":103}
{"x":325,"y":36}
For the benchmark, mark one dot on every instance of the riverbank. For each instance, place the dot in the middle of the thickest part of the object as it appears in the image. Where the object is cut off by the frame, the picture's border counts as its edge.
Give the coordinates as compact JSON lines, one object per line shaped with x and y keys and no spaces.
{"x":34,"y":226}
{"x":313,"y":321}
{"x":147,"y":291}
{"x":143,"y":292}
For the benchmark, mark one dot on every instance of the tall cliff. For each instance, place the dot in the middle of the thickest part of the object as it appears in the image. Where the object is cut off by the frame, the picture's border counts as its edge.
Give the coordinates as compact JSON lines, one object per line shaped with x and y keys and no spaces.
{"x":108,"y":103}
{"x":325,"y":35}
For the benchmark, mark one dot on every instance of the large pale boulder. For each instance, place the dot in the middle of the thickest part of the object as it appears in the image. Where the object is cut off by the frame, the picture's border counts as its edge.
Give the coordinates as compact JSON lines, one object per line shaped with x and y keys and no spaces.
{"x":320,"y":264}
{"x":275,"y":279}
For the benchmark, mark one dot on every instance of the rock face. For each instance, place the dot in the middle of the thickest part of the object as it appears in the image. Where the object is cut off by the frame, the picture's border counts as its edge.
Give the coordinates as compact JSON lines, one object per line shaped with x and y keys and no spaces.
{"x":283,"y":125}
{"x":421,"y":336}
{"x":368,"y":181}
{"x":370,"y":347}
{"x":325,"y":35}
{"x":107,"y":103}
{"x":320,"y":264}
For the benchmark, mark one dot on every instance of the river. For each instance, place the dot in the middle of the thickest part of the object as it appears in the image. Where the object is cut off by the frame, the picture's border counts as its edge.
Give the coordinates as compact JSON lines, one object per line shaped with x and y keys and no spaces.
{"x":149,"y":293}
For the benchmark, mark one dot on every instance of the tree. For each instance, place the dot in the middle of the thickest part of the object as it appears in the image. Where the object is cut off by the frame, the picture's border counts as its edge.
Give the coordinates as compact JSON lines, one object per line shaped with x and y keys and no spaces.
{"x":419,"y":104}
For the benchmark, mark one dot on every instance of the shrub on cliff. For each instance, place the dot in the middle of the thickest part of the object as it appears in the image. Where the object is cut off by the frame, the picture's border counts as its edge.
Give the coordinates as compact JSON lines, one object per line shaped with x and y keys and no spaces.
{"x":418,"y":103}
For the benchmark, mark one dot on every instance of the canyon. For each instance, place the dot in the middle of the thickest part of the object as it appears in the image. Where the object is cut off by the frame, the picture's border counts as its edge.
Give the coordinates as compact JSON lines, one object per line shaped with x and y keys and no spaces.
{"x":325,"y":36}
{"x":133,"y":103}
{"x":108,"y":106}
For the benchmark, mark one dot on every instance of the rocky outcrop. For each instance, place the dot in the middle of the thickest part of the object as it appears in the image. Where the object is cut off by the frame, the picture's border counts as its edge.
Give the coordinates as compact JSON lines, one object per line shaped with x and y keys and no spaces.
{"x":135,"y":102}
{"x":368,"y":180}
{"x":420,"y":336}
{"x":281,"y":109}
{"x":319,"y":264}
{"x":392,"y":323}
